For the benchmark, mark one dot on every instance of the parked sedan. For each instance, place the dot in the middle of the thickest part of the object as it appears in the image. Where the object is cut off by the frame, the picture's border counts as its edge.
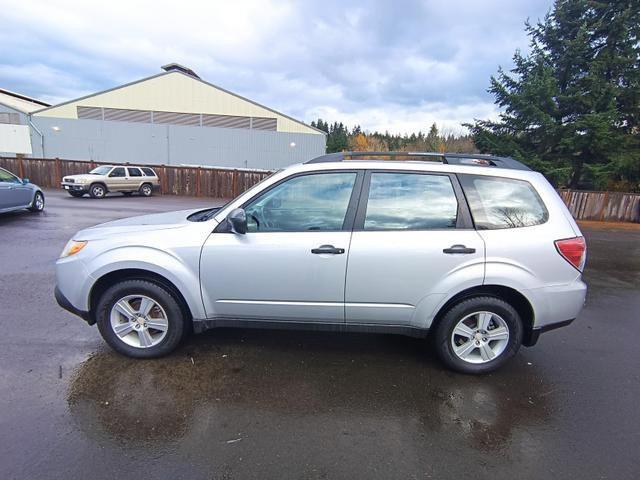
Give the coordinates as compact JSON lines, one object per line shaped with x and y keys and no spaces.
{"x":18,"y":193}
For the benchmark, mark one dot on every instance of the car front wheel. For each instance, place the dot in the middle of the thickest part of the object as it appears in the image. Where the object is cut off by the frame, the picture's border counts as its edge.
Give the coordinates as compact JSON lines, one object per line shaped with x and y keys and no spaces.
{"x":140,"y":319}
{"x":478,"y":335}
{"x":97,"y":190}
{"x":38,"y":202}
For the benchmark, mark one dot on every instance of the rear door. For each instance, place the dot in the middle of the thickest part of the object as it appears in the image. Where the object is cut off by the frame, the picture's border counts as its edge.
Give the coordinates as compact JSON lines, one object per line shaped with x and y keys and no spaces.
{"x":134,"y":179}
{"x":413,"y":243}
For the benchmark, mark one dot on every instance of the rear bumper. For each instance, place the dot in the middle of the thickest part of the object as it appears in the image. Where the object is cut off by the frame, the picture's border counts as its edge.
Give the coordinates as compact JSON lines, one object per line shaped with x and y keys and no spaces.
{"x":531,"y":336}
{"x":66,"y":304}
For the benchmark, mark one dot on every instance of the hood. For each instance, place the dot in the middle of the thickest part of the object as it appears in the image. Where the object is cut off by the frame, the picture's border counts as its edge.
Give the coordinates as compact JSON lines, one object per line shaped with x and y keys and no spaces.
{"x":81,"y":178}
{"x":144,"y":223}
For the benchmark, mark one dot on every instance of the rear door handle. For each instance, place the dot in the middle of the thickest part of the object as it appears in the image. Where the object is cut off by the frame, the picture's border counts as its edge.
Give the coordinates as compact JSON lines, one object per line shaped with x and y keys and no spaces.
{"x":327,"y":249}
{"x":459,"y":249}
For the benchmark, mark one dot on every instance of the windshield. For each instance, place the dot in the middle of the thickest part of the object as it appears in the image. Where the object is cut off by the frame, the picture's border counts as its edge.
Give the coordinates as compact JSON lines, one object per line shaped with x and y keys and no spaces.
{"x":100,"y":171}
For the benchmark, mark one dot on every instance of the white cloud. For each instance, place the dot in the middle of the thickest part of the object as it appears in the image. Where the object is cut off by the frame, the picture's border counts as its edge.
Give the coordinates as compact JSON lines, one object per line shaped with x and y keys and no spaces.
{"x":383,"y":65}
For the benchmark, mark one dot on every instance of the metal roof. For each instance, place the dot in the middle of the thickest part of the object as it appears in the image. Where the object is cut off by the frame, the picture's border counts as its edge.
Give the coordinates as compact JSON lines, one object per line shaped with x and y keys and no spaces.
{"x":471,"y":159}
{"x":197,"y":79}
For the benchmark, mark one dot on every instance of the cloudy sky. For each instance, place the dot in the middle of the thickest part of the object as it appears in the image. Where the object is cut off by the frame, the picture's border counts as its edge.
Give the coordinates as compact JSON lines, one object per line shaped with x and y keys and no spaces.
{"x":386,"y":65}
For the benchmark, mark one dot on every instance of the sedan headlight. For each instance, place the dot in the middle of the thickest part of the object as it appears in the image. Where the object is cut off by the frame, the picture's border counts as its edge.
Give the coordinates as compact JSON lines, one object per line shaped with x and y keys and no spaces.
{"x":73,"y":247}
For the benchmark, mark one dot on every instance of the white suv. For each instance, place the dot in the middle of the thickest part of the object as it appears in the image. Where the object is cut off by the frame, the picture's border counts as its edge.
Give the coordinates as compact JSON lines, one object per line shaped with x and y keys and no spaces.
{"x":477,"y":250}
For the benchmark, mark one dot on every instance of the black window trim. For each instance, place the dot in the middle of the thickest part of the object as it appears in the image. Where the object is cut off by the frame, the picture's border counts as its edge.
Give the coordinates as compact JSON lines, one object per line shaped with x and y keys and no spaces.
{"x":463,"y":217}
{"x":350,"y":215}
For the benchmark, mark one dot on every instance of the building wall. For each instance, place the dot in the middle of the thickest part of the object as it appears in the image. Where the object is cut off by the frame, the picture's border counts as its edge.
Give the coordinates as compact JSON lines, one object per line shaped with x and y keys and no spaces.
{"x":177,"y":92}
{"x":108,"y":141}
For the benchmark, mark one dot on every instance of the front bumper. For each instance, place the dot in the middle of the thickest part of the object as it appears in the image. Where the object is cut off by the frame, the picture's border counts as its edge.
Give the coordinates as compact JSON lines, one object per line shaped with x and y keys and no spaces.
{"x":76,"y":187}
{"x":66,"y":304}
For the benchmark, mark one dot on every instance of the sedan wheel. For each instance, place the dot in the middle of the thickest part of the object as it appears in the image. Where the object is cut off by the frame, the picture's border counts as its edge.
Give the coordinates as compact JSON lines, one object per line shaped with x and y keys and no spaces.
{"x":38,"y":202}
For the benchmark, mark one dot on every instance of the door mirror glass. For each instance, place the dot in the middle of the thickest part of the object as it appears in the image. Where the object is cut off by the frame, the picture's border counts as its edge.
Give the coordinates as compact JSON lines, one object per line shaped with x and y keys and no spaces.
{"x":237,"y":220}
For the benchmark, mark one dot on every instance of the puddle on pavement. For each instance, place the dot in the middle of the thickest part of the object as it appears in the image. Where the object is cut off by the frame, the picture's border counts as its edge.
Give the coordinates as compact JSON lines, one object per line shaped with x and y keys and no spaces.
{"x":225,"y":381}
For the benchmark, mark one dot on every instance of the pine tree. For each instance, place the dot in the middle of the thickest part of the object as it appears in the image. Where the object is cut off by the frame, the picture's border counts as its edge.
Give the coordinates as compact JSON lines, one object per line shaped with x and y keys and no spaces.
{"x":571,"y":106}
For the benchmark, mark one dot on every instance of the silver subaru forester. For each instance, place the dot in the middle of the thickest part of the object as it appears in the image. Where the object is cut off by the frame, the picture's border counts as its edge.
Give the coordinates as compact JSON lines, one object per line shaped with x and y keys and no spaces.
{"x":477,"y":252}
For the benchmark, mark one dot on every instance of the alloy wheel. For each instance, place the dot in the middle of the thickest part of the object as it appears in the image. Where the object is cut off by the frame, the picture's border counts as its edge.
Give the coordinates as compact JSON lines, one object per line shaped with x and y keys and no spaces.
{"x":139,"y":321}
{"x":480,"y":337}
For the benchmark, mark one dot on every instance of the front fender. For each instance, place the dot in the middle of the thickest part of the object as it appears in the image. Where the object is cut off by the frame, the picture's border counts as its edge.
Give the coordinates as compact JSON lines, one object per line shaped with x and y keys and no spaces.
{"x":161,"y":262}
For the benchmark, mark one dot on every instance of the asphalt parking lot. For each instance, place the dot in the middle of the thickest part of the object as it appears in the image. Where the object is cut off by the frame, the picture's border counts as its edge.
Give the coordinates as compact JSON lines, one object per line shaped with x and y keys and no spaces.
{"x":266,"y":404}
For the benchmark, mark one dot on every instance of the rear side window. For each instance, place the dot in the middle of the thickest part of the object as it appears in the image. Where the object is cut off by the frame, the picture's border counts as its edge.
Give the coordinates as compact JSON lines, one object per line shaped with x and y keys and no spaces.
{"x":148,"y":172}
{"x":134,"y":172}
{"x":497,"y":203}
{"x":410,"y":201}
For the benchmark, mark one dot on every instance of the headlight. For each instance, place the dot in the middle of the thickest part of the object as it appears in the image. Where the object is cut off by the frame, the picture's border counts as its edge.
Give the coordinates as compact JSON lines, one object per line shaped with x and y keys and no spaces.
{"x":73,"y":247}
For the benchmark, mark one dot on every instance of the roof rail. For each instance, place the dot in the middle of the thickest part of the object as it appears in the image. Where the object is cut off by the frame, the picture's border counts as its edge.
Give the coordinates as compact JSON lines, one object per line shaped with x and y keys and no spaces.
{"x":472,"y":159}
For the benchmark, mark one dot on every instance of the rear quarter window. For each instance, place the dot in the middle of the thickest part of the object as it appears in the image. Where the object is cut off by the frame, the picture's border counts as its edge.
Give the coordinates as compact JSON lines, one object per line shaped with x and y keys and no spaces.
{"x":498,"y":203}
{"x":148,"y":172}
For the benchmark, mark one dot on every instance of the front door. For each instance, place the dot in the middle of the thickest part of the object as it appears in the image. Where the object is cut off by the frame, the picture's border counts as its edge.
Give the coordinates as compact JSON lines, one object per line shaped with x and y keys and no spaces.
{"x":412,"y":244}
{"x":13,"y":193}
{"x":118,"y":179}
{"x":291,"y":264}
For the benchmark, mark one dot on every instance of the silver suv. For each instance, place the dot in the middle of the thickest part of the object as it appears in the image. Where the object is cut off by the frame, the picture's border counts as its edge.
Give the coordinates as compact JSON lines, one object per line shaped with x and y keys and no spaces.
{"x":478,"y":251}
{"x":112,"y":178}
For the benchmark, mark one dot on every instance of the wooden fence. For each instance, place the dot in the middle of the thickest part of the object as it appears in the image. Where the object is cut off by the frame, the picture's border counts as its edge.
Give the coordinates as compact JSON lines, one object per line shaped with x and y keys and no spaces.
{"x":603,"y":206}
{"x":190,"y":181}
{"x":228,"y":183}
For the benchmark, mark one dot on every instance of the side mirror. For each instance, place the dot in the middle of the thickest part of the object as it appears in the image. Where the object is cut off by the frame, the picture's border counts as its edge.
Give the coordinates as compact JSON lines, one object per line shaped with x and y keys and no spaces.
{"x":25,"y":181}
{"x":237,"y":219}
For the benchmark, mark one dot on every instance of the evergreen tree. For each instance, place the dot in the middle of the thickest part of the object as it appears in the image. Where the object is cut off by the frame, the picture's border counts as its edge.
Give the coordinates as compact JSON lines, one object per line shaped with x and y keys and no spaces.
{"x":571,"y":106}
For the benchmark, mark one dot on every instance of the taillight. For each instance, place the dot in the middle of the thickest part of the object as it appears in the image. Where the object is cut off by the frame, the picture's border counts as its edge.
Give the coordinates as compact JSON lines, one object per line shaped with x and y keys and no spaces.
{"x":574,"y":251}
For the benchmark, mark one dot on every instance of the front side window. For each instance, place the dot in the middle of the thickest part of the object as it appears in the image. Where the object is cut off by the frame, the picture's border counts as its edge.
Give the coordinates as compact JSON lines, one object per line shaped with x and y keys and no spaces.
{"x":8,"y":177}
{"x":117,"y":172}
{"x":316,"y":202}
{"x":410,"y":201}
{"x":134,"y":172}
{"x":497,"y":203}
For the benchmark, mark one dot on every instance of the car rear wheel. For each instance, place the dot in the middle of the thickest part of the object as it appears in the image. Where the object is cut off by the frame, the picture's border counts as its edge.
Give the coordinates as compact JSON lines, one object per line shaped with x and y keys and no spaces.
{"x":146,"y":190}
{"x":97,"y":190}
{"x":478,"y":335}
{"x":38,"y":202}
{"x":140,"y":319}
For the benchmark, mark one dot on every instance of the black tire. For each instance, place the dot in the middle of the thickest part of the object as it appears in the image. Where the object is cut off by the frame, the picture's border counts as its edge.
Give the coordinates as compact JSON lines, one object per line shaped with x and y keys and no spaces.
{"x":97,"y":190}
{"x":146,"y":190}
{"x":162,"y":297}
{"x":37,"y":205}
{"x":444,"y":333}
{"x":75,"y":194}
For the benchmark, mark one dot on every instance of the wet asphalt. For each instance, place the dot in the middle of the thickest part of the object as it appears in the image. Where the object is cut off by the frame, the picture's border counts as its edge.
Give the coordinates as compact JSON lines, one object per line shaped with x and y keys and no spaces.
{"x":278,"y":404}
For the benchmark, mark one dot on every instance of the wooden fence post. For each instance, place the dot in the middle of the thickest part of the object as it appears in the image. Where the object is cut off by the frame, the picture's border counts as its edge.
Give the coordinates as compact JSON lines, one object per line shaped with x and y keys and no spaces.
{"x":58,"y":175}
{"x":198,"y":171}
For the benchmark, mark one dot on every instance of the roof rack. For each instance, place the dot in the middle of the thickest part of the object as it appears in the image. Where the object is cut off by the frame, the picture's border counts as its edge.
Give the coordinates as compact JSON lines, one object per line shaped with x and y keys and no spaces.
{"x":448,"y":158}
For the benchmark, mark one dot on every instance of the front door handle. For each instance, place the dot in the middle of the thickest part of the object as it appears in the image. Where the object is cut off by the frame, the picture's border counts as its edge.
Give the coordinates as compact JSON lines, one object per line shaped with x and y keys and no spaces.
{"x":459,"y":249}
{"x":328,"y":249}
